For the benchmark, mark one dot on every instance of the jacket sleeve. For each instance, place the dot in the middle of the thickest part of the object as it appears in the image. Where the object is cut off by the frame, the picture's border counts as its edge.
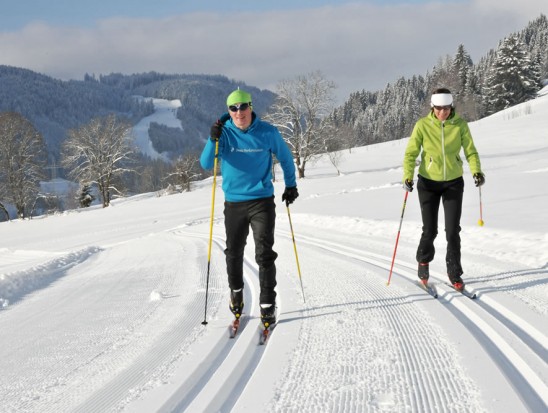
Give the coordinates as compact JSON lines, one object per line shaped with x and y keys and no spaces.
{"x":285,"y":157}
{"x":207,"y":159}
{"x":411,"y":152}
{"x":470,"y":151}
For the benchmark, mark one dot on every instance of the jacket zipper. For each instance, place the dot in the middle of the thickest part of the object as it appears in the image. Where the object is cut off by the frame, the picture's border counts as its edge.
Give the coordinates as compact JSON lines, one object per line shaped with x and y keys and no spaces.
{"x":443,"y":150}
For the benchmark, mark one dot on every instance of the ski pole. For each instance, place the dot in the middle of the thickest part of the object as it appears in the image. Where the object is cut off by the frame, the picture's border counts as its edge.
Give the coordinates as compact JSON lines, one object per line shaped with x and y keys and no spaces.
{"x":397,"y":238}
{"x":295,"y":248}
{"x":211,"y":226}
{"x":480,"y":221}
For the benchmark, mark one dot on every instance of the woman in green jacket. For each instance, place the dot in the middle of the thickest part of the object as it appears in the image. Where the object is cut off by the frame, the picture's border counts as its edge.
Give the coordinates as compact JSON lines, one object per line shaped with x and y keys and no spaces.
{"x":439,"y":138}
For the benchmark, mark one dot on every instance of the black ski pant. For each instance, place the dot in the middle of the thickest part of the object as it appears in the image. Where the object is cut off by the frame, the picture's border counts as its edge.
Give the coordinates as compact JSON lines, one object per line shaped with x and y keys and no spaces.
{"x":430,"y":194}
{"x":260,"y":215}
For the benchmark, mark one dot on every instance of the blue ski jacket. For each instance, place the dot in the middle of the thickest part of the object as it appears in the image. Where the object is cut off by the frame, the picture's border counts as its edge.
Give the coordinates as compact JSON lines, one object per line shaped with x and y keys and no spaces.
{"x":246,"y":160}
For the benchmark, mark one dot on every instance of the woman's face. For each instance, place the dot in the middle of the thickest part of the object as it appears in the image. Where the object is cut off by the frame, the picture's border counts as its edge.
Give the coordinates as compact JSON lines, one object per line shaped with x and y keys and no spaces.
{"x":442,"y":112}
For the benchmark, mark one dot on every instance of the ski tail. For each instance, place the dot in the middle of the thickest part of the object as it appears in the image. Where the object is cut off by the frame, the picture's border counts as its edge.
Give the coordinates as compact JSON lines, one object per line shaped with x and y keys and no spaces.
{"x":429,"y":288}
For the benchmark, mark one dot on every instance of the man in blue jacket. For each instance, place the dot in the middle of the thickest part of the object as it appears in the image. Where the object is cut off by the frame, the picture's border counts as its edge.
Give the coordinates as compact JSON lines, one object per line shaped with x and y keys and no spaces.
{"x":246,"y":145}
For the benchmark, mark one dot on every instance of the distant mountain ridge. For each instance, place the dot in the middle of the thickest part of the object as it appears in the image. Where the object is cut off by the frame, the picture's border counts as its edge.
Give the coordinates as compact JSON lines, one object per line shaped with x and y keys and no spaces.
{"x":55,"y":106}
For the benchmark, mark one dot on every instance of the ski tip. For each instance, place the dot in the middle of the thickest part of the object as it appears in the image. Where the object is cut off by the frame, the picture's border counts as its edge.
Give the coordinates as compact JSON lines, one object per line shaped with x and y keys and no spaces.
{"x":264,"y":333}
{"x":234,"y":327}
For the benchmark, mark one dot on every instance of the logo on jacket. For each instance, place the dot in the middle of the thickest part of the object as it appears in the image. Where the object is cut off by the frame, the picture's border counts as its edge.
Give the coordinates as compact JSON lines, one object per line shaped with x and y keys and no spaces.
{"x":250,"y":150}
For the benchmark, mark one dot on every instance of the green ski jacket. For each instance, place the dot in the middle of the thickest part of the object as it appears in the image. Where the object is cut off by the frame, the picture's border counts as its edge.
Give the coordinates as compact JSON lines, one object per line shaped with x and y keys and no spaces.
{"x":441,"y":144}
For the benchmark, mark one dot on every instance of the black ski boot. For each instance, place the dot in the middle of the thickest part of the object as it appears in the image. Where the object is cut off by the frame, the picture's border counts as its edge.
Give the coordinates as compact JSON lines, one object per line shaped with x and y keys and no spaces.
{"x":237,"y":302}
{"x":457,"y":283}
{"x":268,"y":314}
{"x":424,"y":272}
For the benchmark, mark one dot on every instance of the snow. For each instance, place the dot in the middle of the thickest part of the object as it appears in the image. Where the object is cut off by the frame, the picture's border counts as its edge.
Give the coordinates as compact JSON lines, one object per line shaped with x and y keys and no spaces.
{"x":165,"y":113}
{"x":102,"y":309}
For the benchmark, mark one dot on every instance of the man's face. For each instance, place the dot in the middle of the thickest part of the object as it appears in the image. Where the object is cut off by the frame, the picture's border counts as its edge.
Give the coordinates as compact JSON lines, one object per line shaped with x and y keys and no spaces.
{"x":241,"y":115}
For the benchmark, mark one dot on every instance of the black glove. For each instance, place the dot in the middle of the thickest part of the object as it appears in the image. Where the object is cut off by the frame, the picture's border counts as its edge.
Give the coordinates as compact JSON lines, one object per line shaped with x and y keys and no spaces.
{"x":408,"y":185}
{"x":479,"y":179}
{"x":216,"y":130}
{"x":290,"y":194}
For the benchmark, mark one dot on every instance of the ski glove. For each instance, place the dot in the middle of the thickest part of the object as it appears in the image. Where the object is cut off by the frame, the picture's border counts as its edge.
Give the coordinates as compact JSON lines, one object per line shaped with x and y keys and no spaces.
{"x":408,"y":185}
{"x":216,"y":130}
{"x":479,"y":179}
{"x":290,"y":194}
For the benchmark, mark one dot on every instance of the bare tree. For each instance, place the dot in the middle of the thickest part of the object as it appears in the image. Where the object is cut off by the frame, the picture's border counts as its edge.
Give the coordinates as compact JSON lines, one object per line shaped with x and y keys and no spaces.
{"x":98,"y":152}
{"x":300,"y":112}
{"x":22,"y":161}
{"x":186,"y":171}
{"x":335,"y":158}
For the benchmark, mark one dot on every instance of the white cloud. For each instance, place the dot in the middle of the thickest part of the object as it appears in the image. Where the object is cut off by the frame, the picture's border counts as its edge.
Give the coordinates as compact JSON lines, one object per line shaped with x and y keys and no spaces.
{"x":359,"y":46}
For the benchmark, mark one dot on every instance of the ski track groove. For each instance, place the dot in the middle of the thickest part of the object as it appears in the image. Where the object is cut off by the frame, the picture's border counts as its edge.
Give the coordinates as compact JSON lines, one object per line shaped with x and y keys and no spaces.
{"x":349,"y":365}
{"x":481,"y":314}
{"x":135,"y":376}
{"x":110,"y":394}
{"x":104,"y":389}
{"x":515,"y":323}
{"x":233,"y":364}
{"x":403,"y":320}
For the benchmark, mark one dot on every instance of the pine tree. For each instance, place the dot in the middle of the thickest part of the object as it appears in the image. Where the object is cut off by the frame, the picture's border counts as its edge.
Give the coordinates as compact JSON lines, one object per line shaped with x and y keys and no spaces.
{"x":535,"y":36}
{"x":86,"y":196}
{"x":462,"y":64}
{"x":513,"y":78}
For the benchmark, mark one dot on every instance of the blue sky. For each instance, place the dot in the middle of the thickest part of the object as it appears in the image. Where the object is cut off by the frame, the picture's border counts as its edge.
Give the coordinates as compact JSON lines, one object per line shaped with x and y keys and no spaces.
{"x":357,"y":44}
{"x":16,"y":14}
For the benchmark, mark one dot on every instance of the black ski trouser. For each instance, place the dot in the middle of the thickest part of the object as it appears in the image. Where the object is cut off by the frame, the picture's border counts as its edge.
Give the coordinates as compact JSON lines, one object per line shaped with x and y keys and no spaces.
{"x":451,"y":194}
{"x":260,"y":215}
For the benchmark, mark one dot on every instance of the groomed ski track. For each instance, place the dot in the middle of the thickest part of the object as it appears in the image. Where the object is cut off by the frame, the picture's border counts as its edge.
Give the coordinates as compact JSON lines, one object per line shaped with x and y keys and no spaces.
{"x":355,"y":345}
{"x":230,"y":363}
{"x":419,"y":368}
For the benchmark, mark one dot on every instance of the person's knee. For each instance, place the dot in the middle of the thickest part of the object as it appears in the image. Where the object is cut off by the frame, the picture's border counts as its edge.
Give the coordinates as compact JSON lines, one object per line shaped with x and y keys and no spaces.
{"x":265,"y":259}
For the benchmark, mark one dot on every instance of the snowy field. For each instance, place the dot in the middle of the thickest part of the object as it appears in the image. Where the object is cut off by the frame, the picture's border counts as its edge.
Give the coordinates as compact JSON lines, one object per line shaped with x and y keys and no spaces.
{"x":102,"y":309}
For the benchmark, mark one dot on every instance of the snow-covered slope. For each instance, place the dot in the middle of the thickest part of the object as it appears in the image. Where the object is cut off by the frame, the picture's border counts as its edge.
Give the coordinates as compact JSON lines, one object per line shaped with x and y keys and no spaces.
{"x":165,"y":113}
{"x":103,"y":308}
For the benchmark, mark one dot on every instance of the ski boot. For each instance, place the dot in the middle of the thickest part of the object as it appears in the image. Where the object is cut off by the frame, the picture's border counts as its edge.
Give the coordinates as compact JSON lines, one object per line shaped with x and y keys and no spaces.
{"x":268,"y":315}
{"x":236,"y":306}
{"x":457,"y":283}
{"x":268,"y":318}
{"x":237,"y":302}
{"x":424,"y":272}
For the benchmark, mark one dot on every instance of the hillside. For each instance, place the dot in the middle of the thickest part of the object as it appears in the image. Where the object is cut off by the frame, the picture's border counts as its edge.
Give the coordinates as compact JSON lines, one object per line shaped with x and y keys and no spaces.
{"x":55,"y":106}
